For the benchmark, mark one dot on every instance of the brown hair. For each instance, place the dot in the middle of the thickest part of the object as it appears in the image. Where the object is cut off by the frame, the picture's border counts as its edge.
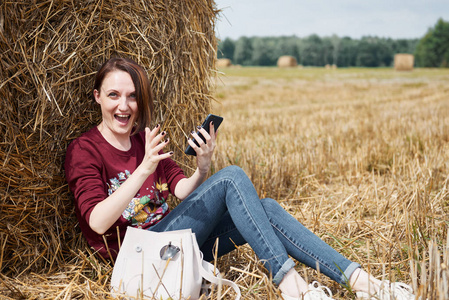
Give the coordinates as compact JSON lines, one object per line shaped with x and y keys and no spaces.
{"x":142,"y":86}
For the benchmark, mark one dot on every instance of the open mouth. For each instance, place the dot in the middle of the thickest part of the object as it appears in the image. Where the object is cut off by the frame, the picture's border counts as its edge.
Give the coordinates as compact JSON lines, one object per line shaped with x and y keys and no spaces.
{"x":122,"y":118}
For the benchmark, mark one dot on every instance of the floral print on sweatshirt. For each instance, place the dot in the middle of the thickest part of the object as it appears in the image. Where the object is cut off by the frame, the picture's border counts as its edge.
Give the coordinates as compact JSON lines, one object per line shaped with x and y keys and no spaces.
{"x":146,"y":209}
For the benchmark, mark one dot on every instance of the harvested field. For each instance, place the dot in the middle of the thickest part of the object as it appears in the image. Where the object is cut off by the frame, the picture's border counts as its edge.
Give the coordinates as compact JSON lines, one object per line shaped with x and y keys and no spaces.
{"x":360,"y":156}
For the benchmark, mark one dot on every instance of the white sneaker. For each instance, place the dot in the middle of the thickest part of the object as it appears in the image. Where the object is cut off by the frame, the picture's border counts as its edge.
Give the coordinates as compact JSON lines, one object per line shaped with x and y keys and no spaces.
{"x":390,"y":291}
{"x":316,"y":292}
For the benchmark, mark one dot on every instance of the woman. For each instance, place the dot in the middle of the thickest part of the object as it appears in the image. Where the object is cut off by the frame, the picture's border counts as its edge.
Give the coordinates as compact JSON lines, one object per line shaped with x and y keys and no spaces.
{"x":120,"y":177}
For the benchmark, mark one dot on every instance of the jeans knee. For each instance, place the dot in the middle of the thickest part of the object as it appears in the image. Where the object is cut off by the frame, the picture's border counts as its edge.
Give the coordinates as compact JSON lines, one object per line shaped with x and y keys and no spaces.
{"x":233,"y":172}
{"x":269,"y":204}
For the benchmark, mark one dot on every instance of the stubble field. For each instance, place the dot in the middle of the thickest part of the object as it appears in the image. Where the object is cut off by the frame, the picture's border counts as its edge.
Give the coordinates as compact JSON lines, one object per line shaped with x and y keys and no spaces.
{"x":359,"y":156}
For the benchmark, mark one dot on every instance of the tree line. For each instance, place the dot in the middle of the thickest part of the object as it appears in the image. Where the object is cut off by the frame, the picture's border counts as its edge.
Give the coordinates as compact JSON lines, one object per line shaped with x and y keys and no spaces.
{"x":432,"y":50}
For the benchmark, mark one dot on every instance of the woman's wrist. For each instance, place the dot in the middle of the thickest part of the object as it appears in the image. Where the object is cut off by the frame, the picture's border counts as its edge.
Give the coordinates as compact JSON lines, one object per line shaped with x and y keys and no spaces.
{"x":143,"y":171}
{"x":202,"y":172}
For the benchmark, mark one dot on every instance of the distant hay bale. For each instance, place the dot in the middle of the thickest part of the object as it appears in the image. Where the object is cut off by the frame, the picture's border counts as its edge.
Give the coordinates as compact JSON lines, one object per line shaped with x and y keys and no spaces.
{"x":327,"y":67}
{"x":50,"y":53}
{"x":286,"y":61}
{"x":223,"y":63}
{"x":403,"y":62}
{"x":334,"y":67}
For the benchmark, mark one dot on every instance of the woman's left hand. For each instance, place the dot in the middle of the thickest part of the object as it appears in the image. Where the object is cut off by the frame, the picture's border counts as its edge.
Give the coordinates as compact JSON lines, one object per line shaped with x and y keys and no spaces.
{"x":206,"y":149}
{"x":204,"y":153}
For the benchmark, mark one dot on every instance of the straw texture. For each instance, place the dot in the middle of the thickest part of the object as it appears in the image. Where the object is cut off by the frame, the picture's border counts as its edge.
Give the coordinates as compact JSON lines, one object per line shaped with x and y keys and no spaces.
{"x":50,"y":51}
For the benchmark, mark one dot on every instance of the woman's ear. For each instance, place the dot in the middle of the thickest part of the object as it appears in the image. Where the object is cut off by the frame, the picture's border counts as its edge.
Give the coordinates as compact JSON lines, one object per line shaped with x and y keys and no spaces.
{"x":97,"y":96}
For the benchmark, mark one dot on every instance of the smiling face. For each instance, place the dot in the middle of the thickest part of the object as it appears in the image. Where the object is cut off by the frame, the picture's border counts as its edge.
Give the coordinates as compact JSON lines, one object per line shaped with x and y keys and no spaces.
{"x":119,"y":109}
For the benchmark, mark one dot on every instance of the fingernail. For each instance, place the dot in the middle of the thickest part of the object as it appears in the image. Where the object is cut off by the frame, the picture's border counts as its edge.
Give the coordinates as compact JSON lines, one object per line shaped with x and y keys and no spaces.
{"x":171,"y":152}
{"x":192,"y":132}
{"x":211,"y":122}
{"x":198,"y":127}
{"x":163,"y":132}
{"x":157,"y":126}
{"x":166,"y":141}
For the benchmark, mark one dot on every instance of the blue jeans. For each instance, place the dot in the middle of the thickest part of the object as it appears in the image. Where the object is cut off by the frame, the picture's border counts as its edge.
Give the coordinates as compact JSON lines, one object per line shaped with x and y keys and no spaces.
{"x":226,"y":206}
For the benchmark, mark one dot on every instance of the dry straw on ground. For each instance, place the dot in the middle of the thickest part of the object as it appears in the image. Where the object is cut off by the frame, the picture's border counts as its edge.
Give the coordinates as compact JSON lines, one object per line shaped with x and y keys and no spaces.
{"x":286,"y":61}
{"x":403,"y":62}
{"x":50,"y":51}
{"x":359,"y":156}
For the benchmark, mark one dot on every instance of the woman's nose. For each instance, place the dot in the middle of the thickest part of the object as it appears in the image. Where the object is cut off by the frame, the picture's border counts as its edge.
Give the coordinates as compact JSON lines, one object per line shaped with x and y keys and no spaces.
{"x":123,"y":103}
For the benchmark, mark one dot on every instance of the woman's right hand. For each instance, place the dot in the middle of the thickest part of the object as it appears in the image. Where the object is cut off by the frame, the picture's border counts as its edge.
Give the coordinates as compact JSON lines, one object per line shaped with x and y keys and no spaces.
{"x":154,"y":143}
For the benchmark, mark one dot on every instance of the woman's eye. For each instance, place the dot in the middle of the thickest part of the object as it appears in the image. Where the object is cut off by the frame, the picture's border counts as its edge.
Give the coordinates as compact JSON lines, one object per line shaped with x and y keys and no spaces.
{"x":112,"y":95}
{"x":133,"y":96}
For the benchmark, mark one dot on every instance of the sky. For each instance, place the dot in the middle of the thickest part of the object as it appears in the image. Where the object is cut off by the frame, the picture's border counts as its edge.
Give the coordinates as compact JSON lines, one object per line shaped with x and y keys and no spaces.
{"x":354,"y":18}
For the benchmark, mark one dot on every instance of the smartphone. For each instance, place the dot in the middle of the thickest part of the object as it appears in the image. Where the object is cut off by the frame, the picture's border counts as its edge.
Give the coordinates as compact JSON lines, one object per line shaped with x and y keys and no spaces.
{"x":217,"y":121}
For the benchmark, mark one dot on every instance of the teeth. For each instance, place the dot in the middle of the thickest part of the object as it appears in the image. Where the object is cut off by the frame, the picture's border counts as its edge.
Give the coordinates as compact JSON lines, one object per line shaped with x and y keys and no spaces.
{"x":123,"y":116}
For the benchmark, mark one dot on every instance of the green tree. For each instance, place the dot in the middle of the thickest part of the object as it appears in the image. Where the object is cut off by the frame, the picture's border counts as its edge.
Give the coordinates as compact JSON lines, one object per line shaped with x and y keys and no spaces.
{"x":243,"y":51}
{"x":328,"y":48}
{"x":261,"y":52}
{"x":404,"y":45}
{"x":373,"y":52}
{"x":433,"y":49}
{"x":347,"y":53}
{"x":335,"y":41}
{"x":385,"y":53}
{"x":226,"y":49}
{"x":312,"y":51}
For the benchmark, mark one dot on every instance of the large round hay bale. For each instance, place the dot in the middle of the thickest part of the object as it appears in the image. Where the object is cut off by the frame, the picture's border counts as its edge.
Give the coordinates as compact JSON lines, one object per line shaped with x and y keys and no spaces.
{"x":403,"y":62}
{"x":286,"y":61}
{"x":50,"y":51}
{"x":223,"y":63}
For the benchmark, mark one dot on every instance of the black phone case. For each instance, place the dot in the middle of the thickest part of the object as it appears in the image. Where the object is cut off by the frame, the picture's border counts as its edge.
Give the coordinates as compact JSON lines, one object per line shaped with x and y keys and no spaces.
{"x":217,"y":121}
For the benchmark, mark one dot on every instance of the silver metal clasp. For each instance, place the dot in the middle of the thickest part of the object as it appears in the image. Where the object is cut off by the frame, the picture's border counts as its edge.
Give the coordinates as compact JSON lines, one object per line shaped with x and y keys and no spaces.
{"x":169,"y":251}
